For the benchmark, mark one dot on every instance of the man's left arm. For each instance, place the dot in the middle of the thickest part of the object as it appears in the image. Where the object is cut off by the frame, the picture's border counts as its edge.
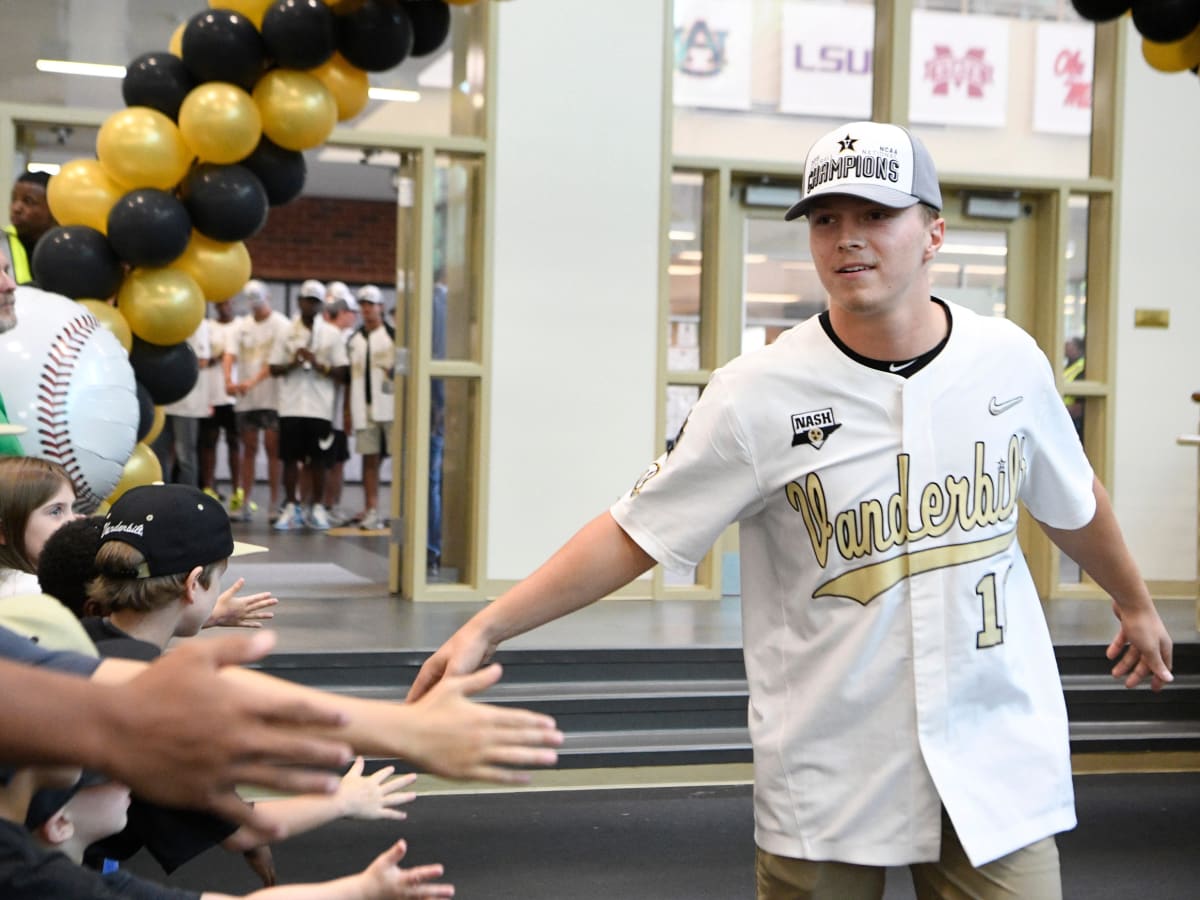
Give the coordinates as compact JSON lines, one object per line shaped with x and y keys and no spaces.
{"x":1142,"y":642}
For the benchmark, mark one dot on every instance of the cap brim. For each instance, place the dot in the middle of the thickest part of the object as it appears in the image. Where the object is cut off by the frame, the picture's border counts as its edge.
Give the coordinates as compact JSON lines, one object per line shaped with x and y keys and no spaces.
{"x":7,"y":428}
{"x":875,"y":193}
{"x":241,"y":548}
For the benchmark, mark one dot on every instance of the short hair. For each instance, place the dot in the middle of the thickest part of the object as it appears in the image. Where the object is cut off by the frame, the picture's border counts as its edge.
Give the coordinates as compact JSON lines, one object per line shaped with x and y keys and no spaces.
{"x":68,"y":563}
{"x":42,"y":178}
{"x":26,"y":482}
{"x":931,"y":214}
{"x":118,"y":587}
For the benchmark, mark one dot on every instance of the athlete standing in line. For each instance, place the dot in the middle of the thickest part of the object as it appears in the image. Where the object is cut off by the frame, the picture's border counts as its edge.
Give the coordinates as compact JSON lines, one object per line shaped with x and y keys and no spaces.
{"x":905,"y":706}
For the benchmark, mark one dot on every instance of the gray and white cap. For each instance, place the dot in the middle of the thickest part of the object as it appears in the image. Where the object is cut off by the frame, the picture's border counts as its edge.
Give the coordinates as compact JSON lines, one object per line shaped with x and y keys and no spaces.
{"x":878,"y":162}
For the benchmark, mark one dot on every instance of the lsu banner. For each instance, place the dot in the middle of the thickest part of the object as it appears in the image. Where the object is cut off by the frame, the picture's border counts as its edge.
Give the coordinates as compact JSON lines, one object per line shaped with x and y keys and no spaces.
{"x":959,"y":73}
{"x":826,"y":64}
{"x":713,"y":45}
{"x":1062,"y":81}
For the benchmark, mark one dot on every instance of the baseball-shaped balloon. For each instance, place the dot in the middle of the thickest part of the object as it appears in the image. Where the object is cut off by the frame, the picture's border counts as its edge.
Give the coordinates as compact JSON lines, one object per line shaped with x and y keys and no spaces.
{"x":68,"y":380}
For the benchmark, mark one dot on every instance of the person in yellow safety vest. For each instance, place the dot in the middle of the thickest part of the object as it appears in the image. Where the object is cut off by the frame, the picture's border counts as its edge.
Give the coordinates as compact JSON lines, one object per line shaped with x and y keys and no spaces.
{"x":1073,"y":350}
{"x":29,"y":213}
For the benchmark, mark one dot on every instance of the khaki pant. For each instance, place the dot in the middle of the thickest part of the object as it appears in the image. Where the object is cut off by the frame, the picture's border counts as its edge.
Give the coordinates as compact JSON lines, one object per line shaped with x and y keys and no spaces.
{"x":1030,"y":873}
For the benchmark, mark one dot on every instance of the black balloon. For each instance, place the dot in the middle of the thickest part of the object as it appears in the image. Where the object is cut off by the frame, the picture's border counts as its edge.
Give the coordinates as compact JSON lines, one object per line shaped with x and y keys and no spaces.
{"x":76,"y":261}
{"x":145,"y":411}
{"x":1164,"y":21}
{"x":148,"y":227}
{"x":168,"y":373}
{"x":223,"y":45}
{"x":299,"y":34}
{"x":431,"y":24}
{"x":1101,"y":10}
{"x":376,"y":36}
{"x":225,"y":203}
{"x":158,"y":80}
{"x":282,"y":172}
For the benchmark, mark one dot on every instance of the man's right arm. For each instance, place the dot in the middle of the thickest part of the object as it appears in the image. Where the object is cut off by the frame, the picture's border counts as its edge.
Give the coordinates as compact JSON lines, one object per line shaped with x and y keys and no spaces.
{"x":600,"y":558}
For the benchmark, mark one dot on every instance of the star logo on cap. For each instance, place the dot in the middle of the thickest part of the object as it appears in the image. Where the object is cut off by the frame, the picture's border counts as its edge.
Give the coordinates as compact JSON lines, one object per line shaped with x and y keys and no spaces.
{"x":847,"y":143}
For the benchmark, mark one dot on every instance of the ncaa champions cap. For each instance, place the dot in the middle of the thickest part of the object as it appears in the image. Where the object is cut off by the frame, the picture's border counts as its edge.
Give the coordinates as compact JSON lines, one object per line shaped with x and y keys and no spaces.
{"x":881,"y":163}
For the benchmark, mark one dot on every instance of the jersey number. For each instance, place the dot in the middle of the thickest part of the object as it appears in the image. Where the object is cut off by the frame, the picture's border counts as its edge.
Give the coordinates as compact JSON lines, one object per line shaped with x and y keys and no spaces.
{"x":992,"y":632}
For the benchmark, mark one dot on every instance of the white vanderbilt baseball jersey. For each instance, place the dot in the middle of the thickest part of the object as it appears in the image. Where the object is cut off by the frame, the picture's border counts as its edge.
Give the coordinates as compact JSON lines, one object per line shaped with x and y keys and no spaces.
{"x":897,"y":653}
{"x":252,"y":344}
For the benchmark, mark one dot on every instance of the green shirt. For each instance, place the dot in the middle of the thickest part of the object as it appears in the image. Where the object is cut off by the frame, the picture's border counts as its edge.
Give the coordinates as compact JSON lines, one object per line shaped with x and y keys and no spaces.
{"x":10,"y":445}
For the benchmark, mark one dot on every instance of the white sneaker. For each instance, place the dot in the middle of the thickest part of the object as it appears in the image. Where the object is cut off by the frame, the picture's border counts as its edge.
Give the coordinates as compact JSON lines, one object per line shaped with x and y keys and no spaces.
{"x":290,"y":518}
{"x":318,"y":518}
{"x":370,"y":521}
{"x":338,"y":517}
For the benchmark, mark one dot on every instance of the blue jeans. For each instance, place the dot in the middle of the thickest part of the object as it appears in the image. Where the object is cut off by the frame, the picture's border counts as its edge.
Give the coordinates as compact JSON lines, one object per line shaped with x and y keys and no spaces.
{"x":433,"y":538}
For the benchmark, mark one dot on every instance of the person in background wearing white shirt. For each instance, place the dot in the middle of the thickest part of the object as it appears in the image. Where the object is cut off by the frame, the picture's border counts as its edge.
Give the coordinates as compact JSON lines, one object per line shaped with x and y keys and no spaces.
{"x":311,"y":361}
{"x":223,"y":418}
{"x":340,"y":311}
{"x":372,"y":352}
{"x":255,"y":391}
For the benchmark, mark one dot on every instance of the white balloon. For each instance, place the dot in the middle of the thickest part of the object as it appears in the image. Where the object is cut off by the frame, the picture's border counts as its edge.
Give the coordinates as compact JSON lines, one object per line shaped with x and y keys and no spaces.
{"x":68,"y":380}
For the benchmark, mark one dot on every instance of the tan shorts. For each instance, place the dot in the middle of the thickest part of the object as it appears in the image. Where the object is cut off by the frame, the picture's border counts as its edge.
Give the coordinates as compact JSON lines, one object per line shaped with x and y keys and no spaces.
{"x":1030,"y":873}
{"x":372,"y":440}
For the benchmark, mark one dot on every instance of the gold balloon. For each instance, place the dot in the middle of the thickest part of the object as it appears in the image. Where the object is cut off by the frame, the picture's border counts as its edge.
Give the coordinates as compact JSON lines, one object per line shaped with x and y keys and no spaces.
{"x":162,"y":306}
{"x":140,"y":147}
{"x":176,"y":43}
{"x":254,"y":10}
{"x":82,"y":194}
{"x":142,"y":467}
{"x":1177,"y":56}
{"x":220,"y":122}
{"x":298,"y":111}
{"x":347,"y":83}
{"x":221,"y":270}
{"x":156,"y":426}
{"x":111,"y":319}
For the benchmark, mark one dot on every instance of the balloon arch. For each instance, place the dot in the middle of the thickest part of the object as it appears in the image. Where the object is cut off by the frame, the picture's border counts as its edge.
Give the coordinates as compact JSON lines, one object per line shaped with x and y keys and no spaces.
{"x":211,"y":137}
{"x":1170,"y":29}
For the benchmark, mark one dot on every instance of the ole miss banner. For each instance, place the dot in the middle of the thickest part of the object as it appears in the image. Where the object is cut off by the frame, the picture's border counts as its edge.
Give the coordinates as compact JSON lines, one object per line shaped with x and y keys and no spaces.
{"x":959,"y":73}
{"x":1062,"y":83}
{"x":826,"y":65}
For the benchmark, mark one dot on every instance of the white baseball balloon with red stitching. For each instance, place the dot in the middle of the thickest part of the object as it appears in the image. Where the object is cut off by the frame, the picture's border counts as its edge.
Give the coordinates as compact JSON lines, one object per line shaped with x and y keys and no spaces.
{"x":68,"y":380}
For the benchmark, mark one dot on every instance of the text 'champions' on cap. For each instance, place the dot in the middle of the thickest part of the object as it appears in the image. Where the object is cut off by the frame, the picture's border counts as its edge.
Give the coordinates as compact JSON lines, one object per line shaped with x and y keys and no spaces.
{"x":877,"y":162}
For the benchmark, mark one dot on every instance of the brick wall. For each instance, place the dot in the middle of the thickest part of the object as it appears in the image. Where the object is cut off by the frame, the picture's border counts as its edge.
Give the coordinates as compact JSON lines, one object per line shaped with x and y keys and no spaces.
{"x":327,"y":238}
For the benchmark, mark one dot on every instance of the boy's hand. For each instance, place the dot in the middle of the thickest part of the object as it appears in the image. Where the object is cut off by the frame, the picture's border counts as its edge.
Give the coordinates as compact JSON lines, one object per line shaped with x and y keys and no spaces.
{"x":242,"y":612}
{"x":464,"y":652}
{"x":385,"y":880}
{"x":374,"y":796}
{"x":1144,"y":647}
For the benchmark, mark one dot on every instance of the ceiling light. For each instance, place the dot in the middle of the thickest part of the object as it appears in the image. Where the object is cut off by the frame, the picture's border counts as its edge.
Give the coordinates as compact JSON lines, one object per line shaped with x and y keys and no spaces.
{"x":680,"y":235}
{"x":48,"y":167}
{"x":683,"y":270}
{"x":70,"y":67}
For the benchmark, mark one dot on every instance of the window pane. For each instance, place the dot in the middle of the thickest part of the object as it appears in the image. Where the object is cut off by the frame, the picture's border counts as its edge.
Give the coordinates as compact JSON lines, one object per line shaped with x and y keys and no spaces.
{"x":684,"y":271}
{"x":1074,"y":307}
{"x":457,"y":287}
{"x":971,"y":270}
{"x":779,"y":282}
{"x":453,"y":433}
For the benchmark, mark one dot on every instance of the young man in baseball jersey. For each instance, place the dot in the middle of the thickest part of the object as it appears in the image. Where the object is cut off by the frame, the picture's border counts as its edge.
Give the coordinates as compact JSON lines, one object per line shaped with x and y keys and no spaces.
{"x":905,"y":707}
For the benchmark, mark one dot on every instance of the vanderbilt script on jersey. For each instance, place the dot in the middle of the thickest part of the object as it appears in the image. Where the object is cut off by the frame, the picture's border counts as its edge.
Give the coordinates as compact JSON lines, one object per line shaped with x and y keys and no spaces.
{"x":972,"y":501}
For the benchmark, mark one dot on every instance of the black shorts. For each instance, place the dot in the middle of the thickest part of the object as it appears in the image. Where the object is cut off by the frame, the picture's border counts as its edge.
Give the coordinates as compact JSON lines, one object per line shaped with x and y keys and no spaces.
{"x":341,"y":447}
{"x":222,"y":419}
{"x":305,"y":440}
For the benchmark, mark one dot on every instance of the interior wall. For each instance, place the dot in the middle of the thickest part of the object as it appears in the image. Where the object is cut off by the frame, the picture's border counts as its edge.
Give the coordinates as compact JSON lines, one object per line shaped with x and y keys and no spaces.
{"x":574,"y":268}
{"x":1154,"y":487}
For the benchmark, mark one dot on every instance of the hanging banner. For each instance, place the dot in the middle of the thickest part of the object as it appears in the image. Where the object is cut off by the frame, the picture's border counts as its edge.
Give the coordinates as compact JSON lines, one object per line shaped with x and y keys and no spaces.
{"x":713,"y":44}
{"x":826,"y":64}
{"x":1062,"y":80}
{"x":959,"y":73}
